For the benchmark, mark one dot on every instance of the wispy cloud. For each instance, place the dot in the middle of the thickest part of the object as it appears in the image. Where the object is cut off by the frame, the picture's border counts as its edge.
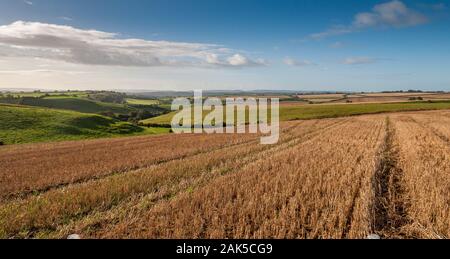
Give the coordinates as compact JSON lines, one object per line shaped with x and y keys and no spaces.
{"x":434,"y":6}
{"x":42,"y":72}
{"x":65,"y":18}
{"x":337,"y":45}
{"x":439,"y":7}
{"x":28,"y":2}
{"x":236,"y":60}
{"x":394,"y":14}
{"x":297,"y":63}
{"x":334,"y":31}
{"x":359,"y":60}
{"x":92,"y":47}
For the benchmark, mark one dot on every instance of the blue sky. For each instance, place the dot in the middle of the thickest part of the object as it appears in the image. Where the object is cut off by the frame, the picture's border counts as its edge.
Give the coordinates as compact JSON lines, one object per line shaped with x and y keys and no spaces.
{"x":246,"y":44}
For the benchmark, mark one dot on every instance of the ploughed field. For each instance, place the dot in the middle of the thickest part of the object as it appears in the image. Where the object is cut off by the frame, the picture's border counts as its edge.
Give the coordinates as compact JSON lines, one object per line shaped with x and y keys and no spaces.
{"x":347,"y":177}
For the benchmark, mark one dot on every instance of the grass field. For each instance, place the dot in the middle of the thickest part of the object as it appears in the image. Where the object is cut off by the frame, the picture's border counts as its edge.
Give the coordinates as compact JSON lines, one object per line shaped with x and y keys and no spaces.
{"x":326,"y":178}
{"x":78,"y":104}
{"x":21,"y":124}
{"x":142,"y":101}
{"x":341,"y":110}
{"x":300,"y":112}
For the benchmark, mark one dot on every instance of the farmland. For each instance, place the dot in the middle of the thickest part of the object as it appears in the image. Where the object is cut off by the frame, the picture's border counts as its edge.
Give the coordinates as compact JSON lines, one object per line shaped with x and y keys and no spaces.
{"x":389,"y":97}
{"x":344,"y":177}
{"x":111,"y":104}
{"x":142,"y":101}
{"x":26,"y":124}
{"x":295,"y":111}
{"x":74,"y":104}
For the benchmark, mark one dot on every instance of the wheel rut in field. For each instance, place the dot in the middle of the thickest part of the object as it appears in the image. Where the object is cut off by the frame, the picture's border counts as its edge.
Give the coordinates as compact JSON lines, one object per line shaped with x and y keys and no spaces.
{"x":390,"y":200}
{"x":349,"y":218}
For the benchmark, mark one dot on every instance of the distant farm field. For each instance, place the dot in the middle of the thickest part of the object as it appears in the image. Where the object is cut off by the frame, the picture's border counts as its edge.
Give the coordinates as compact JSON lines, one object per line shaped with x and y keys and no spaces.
{"x":51,"y":94}
{"x":142,"y":101}
{"x":294,"y":111}
{"x":373,"y":97}
{"x":327,"y":178}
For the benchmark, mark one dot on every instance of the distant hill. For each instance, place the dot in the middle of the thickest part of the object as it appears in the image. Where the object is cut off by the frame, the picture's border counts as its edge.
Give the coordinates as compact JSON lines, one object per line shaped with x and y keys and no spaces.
{"x":111,"y":104}
{"x":22,"y":124}
{"x":71,"y":103}
{"x":164,"y":94}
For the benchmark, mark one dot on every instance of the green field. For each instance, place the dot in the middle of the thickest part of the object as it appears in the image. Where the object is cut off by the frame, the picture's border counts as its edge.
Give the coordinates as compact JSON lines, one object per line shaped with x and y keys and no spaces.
{"x":302,"y":112}
{"x":141,"y":101}
{"x":19,"y":124}
{"x":160,"y":120}
{"x":165,"y":119}
{"x":74,"y":104}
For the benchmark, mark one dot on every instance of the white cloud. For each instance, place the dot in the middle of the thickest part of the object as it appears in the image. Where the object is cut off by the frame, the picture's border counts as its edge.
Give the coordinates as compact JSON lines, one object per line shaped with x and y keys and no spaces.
{"x":236,"y":60}
{"x":92,"y":47}
{"x":358,"y":60}
{"x":239,"y":60}
{"x":213,"y":59}
{"x":394,"y":14}
{"x":296,"y":63}
{"x":28,"y":2}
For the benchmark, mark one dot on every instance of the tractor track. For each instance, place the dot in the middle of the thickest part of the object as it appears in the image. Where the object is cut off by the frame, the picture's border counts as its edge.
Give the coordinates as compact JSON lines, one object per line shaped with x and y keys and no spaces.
{"x":390,"y":202}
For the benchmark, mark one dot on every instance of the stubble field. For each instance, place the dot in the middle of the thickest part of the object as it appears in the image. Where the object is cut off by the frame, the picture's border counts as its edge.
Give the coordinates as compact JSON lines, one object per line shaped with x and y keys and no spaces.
{"x":330,"y":178}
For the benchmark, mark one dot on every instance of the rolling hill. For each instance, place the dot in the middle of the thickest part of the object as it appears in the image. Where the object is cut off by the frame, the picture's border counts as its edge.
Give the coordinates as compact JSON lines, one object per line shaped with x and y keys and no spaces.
{"x":78,"y":104}
{"x":24,"y":124}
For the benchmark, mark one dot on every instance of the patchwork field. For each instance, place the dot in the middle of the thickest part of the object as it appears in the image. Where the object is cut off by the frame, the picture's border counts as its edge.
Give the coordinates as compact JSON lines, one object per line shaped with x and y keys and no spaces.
{"x":327,"y":178}
{"x":373,"y":97}
{"x":297,"y":111}
{"x":142,"y":101}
